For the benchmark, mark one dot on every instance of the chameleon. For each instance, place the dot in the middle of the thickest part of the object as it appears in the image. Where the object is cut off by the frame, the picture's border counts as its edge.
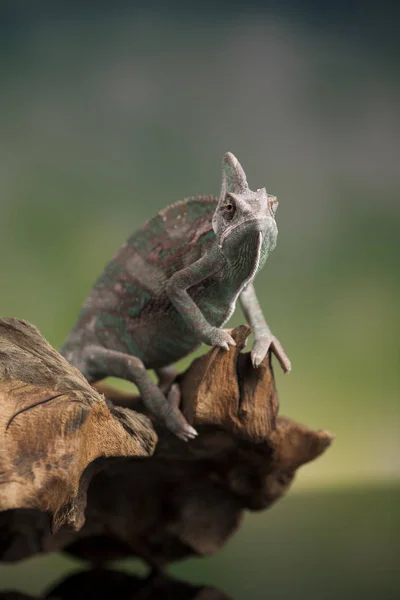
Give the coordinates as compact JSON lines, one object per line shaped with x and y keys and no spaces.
{"x":173,"y":285}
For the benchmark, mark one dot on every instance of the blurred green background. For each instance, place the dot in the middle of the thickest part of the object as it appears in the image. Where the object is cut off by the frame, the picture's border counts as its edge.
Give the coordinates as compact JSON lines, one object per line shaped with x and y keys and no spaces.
{"x":110,"y":111}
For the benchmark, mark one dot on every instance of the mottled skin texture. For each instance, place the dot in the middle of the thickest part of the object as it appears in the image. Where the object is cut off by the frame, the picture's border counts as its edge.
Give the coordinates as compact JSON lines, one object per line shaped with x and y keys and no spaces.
{"x":173,"y":285}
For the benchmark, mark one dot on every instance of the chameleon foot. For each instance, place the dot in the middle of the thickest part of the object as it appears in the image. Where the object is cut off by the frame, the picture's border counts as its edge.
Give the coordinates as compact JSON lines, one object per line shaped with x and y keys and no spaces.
{"x":261,"y":347}
{"x":218,"y":337}
{"x":180,"y":427}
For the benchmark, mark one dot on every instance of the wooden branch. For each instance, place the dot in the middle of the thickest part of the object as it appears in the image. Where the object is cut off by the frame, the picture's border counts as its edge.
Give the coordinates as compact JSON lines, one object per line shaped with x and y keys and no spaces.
{"x":187,"y":499}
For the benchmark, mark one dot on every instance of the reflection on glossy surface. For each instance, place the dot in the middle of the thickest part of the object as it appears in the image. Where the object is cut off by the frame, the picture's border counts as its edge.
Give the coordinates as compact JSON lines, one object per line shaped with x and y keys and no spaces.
{"x":106,"y":584}
{"x":336,"y":545}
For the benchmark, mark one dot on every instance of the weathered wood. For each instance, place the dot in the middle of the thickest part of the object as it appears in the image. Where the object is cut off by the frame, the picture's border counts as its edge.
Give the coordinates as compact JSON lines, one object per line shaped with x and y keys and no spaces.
{"x":186,"y":499}
{"x":166,"y":509}
{"x":53,"y":424}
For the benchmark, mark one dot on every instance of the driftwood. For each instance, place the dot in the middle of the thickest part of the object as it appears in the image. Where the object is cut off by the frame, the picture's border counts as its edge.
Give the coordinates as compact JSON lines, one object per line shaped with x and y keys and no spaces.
{"x":53,"y":424}
{"x":186,"y":499}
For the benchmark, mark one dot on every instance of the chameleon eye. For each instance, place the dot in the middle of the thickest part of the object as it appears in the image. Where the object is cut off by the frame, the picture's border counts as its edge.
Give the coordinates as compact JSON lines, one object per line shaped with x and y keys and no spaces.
{"x":228,"y":210}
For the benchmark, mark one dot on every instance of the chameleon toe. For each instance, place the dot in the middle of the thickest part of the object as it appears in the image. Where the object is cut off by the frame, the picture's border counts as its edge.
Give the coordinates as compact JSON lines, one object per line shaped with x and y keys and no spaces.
{"x":191,"y":432}
{"x":187,"y":434}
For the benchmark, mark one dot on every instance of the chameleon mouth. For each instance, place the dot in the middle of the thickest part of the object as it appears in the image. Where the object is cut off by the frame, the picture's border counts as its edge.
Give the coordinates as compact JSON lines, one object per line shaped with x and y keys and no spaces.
{"x":229,"y":230}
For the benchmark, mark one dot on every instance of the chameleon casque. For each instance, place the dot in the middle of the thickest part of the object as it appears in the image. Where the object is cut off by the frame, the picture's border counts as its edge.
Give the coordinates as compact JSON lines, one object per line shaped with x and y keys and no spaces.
{"x":172,"y":286}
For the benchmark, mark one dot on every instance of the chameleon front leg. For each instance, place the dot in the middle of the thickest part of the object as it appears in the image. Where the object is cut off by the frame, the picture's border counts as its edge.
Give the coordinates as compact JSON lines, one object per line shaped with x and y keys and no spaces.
{"x":102,"y":361}
{"x":263,"y":338}
{"x":177,"y":287}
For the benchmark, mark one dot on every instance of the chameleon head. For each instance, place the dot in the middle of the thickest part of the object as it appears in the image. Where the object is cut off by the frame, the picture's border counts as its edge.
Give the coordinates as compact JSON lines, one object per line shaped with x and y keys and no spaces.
{"x":243,"y":219}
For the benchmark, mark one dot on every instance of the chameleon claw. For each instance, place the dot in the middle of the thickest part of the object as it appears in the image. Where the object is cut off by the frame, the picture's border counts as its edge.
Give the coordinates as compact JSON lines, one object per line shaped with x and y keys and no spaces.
{"x":228,"y":342}
{"x":286,"y":365}
{"x":256,"y":360}
{"x":281,"y":355}
{"x":192,"y":433}
{"x":219,"y":338}
{"x":189,"y":433}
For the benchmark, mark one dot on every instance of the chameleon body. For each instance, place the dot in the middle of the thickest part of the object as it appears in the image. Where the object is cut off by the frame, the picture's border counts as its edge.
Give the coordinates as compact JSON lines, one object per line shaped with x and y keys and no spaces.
{"x":172,"y":286}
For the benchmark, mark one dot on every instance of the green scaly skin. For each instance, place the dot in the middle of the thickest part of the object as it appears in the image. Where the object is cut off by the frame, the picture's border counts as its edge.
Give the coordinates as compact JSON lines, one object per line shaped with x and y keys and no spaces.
{"x":173,"y":285}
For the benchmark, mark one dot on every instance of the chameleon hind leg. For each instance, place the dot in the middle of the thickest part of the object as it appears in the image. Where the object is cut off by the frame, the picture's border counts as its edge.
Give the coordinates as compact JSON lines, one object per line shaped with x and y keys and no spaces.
{"x":166,"y":376}
{"x":102,"y":362}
